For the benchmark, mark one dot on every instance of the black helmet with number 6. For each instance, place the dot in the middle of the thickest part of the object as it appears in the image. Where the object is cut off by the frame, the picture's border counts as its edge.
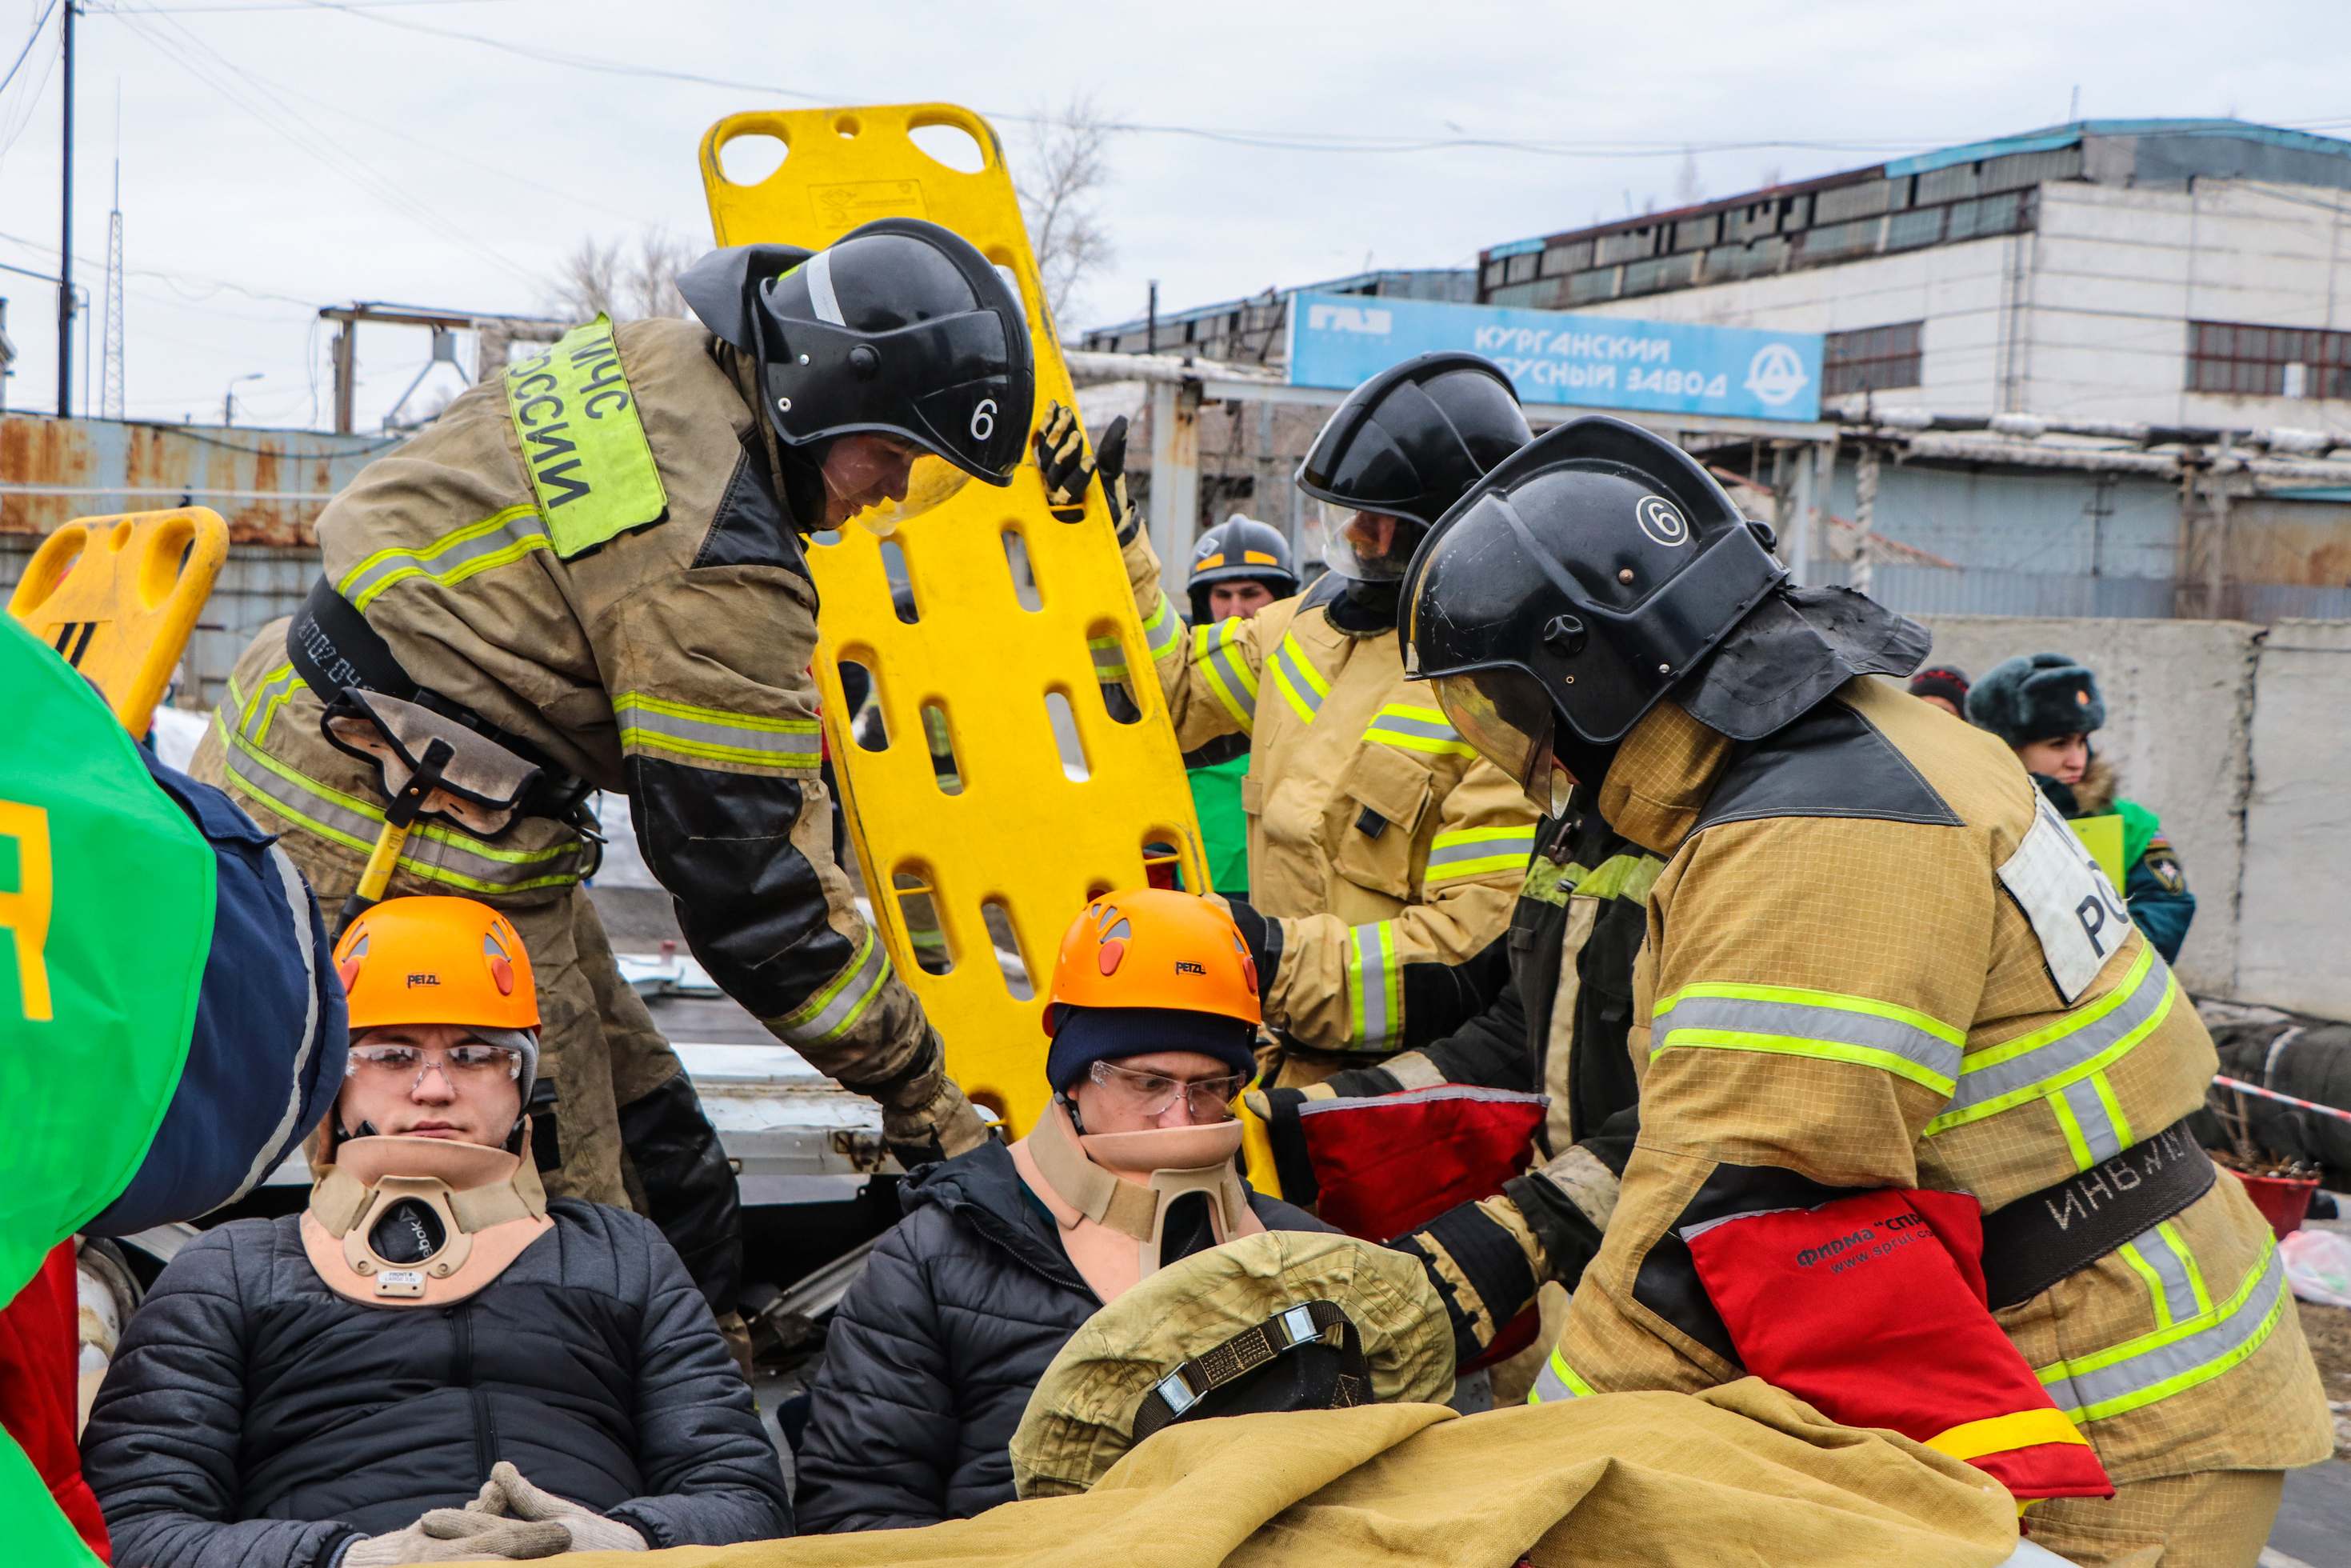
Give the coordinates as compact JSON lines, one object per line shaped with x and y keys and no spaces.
{"x":899,"y":327}
{"x":1600,"y":569}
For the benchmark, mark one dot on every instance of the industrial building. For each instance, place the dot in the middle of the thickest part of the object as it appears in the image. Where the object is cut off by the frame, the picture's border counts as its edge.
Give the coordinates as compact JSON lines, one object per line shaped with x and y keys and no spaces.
{"x":2094,"y":370}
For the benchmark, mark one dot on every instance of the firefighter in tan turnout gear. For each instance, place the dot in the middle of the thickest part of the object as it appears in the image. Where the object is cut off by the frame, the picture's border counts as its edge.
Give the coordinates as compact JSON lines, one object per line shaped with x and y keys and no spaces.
{"x":1384,"y":855}
{"x":1881,"y":976}
{"x":596,"y":560}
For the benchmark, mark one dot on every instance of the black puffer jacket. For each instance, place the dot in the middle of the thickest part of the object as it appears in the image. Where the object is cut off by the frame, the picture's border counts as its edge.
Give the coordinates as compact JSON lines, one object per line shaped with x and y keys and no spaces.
{"x":253,"y":1418}
{"x":935,"y":1348}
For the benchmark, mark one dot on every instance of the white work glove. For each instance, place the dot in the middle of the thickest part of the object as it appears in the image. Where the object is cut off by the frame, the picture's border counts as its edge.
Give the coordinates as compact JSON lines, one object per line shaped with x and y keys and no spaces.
{"x":434,"y":1539}
{"x":587,"y":1530}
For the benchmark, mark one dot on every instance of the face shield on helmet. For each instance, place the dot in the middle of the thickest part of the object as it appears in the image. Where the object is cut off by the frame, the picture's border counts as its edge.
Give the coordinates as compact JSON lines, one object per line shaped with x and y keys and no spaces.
{"x":1367,"y":546}
{"x":881,"y":482}
{"x":1505,"y":714}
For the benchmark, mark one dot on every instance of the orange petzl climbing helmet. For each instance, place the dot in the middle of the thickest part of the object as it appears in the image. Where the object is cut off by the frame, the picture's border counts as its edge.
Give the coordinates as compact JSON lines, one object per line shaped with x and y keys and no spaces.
{"x":1154,"y":948}
{"x":436,"y":960}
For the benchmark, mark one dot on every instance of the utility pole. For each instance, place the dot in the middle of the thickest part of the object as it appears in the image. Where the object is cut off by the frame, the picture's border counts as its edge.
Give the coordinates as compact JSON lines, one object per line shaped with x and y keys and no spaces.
{"x":109,"y":376}
{"x":64,"y":234}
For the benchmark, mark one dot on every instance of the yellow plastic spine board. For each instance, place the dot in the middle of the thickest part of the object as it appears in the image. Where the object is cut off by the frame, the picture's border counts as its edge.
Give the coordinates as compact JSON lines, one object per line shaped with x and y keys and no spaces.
{"x":1009,"y":821}
{"x":118,"y":597}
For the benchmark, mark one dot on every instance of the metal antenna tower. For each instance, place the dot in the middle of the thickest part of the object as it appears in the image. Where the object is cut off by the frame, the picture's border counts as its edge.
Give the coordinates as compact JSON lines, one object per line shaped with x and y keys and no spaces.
{"x":109,"y":398}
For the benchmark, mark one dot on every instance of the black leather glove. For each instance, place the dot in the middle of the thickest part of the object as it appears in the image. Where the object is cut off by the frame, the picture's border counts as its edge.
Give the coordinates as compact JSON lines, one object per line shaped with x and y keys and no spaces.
{"x":1061,"y":456}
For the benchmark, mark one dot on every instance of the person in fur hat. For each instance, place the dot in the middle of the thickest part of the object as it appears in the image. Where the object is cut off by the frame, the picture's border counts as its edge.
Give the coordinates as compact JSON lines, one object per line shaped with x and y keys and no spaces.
{"x":2046,"y":707}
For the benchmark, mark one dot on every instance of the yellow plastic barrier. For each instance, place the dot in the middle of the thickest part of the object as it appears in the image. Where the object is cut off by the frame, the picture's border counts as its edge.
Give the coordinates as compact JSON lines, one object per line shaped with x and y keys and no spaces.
{"x":119,"y":596}
{"x":1041,"y":799}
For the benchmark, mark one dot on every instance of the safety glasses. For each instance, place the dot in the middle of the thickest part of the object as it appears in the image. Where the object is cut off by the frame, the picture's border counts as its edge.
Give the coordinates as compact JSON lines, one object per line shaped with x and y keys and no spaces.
{"x":1150,"y":1094}
{"x":469,"y":1064}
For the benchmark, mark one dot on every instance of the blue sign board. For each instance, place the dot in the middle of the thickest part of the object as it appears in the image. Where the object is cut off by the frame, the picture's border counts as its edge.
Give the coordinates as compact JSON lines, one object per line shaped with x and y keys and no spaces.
{"x":1557,"y":357}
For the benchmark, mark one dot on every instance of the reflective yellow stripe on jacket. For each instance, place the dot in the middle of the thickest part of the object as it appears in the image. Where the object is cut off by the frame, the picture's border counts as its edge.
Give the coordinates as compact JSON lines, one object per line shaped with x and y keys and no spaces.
{"x":1374,"y":987}
{"x":1217,"y":656}
{"x":1791,"y":1021}
{"x":503,"y":536}
{"x":2154,"y":1366}
{"x":432,"y":852}
{"x":1558,"y":1381}
{"x":1422,"y":729}
{"x":834,"y":1010}
{"x":1477,"y":852}
{"x":656,"y":724}
{"x":1302,"y":686}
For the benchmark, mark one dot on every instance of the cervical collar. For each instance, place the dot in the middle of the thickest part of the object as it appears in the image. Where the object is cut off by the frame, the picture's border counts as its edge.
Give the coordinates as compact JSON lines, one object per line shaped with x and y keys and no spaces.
{"x":1113,"y":1226}
{"x":451,"y":1216}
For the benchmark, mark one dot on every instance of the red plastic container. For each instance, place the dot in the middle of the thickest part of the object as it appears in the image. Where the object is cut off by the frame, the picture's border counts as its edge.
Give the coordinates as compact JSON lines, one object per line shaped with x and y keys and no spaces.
{"x":2282,"y":1201}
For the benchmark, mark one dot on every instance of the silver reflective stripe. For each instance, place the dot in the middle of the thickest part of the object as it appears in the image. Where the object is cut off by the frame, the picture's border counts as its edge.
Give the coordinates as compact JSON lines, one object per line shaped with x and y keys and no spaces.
{"x":287,"y":1133}
{"x":1110,"y":659}
{"x":496,"y":540}
{"x":2155,"y":1250}
{"x":253,"y":722}
{"x":1372,"y":986}
{"x":817,"y":270}
{"x":1557,"y":1380}
{"x":2099,"y":1134}
{"x":833,"y":1011}
{"x":1515,"y":844}
{"x":1805,"y":1023}
{"x":2148,"y":989}
{"x":1301,"y":681}
{"x":429,"y":854}
{"x":786,"y":743}
{"x":1238,"y":688}
{"x":2173,"y":1361}
{"x":1390,"y":720}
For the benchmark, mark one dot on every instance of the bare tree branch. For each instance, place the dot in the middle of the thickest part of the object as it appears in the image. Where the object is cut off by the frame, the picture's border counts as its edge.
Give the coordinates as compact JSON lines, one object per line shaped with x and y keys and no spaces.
{"x":1060,"y":179}
{"x":604,"y":278}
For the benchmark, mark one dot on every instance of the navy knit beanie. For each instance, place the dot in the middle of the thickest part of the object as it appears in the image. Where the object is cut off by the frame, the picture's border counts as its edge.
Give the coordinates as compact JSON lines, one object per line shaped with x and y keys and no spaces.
{"x":1087,"y":1035}
{"x":2037,"y":697}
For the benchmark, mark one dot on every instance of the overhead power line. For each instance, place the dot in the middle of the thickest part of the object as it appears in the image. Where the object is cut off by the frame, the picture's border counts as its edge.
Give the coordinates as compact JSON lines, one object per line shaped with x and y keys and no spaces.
{"x":30,"y":39}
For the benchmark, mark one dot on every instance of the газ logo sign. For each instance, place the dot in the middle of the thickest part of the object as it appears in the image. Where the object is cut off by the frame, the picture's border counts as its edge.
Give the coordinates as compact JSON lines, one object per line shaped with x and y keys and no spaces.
{"x":1775,"y":375}
{"x":1377,"y":323}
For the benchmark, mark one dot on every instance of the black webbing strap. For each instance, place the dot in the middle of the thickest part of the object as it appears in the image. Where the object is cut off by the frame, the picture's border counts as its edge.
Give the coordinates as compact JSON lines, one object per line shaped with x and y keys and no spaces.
{"x":1310,"y":1322}
{"x":331,"y":646}
{"x":2042,"y":1238}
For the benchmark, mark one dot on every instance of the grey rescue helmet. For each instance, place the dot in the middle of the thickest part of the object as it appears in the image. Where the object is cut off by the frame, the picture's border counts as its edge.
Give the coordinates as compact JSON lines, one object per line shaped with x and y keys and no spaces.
{"x":1600,"y":569}
{"x":899,"y":327}
{"x":1240,"y":548}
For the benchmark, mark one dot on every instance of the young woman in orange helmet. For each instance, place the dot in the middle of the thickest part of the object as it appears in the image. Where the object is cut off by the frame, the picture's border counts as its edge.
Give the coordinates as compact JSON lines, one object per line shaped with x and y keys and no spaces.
{"x":431,"y":1329}
{"x":1005,"y":1252}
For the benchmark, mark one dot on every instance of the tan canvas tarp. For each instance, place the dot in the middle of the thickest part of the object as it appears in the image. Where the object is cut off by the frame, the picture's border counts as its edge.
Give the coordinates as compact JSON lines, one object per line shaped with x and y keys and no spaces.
{"x":1742,"y":1473}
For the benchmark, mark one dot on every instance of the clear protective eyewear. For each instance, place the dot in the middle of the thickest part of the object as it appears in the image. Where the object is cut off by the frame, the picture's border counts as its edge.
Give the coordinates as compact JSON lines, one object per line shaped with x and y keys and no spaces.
{"x":889,"y":481}
{"x":1508,"y":717}
{"x":1353,"y":544}
{"x":470,"y":1063}
{"x":1150,"y":1094}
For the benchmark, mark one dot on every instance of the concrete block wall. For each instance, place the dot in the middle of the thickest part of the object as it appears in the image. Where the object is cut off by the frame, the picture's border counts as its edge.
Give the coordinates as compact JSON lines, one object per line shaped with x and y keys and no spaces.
{"x":2235,"y":734}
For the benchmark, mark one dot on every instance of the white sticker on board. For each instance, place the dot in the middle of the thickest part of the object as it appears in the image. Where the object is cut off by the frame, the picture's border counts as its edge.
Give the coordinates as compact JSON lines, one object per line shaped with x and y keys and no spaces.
{"x":2075,"y":910}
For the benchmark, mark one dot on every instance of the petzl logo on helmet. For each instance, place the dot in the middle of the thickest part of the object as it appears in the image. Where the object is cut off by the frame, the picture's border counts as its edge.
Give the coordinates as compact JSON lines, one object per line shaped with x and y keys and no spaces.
{"x":1661,"y":521}
{"x":1185,"y":966}
{"x":424,"y":979}
{"x":1775,"y":375}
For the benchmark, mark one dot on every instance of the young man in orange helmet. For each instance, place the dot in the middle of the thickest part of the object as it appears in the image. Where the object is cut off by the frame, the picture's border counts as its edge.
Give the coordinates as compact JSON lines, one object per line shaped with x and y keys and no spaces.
{"x":433,"y":1361}
{"x":1005,"y":1252}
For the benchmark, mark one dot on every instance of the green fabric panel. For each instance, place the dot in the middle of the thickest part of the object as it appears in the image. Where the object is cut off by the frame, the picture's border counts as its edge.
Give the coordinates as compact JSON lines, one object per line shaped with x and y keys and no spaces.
{"x":2139,"y":828}
{"x":37,"y":1533}
{"x":581,"y":441}
{"x":1223,"y":825}
{"x":127,"y":881}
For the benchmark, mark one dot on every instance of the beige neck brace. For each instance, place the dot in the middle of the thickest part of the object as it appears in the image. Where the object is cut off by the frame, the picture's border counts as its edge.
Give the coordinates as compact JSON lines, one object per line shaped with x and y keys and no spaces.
{"x":488,"y":1205}
{"x":1112,"y":1227}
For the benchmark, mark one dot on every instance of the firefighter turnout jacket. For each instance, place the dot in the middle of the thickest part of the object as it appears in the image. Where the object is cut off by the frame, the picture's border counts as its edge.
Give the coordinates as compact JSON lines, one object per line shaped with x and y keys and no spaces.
{"x":591,"y":554}
{"x":1876,"y":959}
{"x":1385,"y":848}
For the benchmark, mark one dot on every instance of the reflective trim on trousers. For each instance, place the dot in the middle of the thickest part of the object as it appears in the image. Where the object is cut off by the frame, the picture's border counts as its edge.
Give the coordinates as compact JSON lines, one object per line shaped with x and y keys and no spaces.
{"x":1558,"y":1380}
{"x":1790,"y":1021}
{"x":500,"y":537}
{"x":1374,"y":987}
{"x":655,"y":723}
{"x":1228,"y":676}
{"x":834,"y":1010}
{"x":1422,"y":729}
{"x":432,"y":853}
{"x":2087,"y":1040}
{"x":1477,"y":852}
{"x":1302,"y":686}
{"x":2155,"y":1366}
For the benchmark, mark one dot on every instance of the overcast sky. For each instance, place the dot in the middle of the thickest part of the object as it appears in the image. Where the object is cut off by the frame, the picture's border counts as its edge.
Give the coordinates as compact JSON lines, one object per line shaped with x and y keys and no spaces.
{"x":277,"y":155}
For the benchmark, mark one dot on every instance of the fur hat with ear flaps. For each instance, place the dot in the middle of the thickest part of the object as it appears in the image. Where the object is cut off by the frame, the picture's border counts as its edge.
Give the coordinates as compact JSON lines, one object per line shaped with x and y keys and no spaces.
{"x":2037,"y":697}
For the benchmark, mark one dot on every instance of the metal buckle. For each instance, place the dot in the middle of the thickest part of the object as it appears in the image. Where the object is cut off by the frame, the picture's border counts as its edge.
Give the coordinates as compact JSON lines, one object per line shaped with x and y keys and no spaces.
{"x":1299,"y":1324}
{"x":1175,"y":1393}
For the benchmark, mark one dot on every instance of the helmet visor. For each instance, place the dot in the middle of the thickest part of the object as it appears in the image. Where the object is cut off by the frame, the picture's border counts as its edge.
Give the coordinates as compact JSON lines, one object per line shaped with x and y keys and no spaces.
{"x":1508,"y":716}
{"x":880,"y":482}
{"x":1368,"y":546}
